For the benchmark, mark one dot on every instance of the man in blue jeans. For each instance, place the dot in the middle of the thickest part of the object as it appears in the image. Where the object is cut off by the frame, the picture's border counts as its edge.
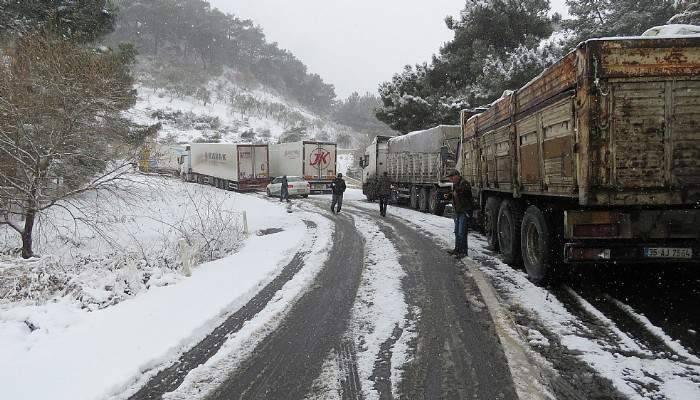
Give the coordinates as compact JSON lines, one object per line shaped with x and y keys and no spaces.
{"x":463,"y":206}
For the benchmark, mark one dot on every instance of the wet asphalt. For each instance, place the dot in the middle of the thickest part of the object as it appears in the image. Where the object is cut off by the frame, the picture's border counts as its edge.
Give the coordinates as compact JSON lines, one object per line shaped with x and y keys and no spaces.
{"x":457,"y":354}
{"x":286,"y":363}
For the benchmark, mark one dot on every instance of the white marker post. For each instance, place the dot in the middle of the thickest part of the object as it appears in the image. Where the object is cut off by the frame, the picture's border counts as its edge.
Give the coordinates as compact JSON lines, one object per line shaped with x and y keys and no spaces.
{"x":245,"y":223}
{"x":185,"y":257}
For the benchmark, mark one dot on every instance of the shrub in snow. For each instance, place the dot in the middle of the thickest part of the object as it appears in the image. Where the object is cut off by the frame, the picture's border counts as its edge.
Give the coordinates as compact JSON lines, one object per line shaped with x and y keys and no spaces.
{"x":122,"y":247}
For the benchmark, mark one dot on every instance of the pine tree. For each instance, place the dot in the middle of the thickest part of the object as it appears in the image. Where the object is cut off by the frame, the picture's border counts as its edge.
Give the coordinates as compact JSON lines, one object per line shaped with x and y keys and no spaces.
{"x":487,"y":32}
{"x":690,"y":14}
{"x":80,"y":20}
{"x":600,"y":18}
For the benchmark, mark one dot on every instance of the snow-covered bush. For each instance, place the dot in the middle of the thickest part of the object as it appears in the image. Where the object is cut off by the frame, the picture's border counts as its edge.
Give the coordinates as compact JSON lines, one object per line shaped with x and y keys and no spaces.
{"x":106,"y":249}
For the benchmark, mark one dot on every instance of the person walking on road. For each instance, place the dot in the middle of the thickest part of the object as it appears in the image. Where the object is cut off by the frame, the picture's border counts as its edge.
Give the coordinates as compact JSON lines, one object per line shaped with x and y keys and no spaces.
{"x":384,"y":192}
{"x":463,"y":204}
{"x":284,"y":190}
{"x":338,"y":187}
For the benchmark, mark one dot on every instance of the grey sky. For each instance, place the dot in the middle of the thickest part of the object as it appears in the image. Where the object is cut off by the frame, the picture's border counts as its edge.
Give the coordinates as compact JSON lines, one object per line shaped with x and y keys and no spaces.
{"x":354,"y":44}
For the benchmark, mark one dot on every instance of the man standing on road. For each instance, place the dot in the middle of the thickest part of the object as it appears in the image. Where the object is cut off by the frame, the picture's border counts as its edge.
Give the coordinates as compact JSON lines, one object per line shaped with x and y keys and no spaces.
{"x":463,"y":205}
{"x":384,"y":192}
{"x":284,"y":190}
{"x":338,"y":187}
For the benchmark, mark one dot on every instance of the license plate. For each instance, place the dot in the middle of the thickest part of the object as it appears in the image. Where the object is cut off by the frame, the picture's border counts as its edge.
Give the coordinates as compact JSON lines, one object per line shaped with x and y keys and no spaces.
{"x":667,"y":252}
{"x":319,"y":186}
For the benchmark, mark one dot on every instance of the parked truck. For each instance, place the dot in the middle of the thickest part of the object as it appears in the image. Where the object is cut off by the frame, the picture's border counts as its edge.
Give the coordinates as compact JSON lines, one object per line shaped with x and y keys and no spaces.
{"x":416,"y":164}
{"x":595,"y":160}
{"x":227,"y":166}
{"x":161,"y":158}
{"x":314,"y":161}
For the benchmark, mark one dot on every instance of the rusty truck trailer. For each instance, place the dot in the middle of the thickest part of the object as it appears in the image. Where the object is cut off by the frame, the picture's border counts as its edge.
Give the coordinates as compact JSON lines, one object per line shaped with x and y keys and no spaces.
{"x":597,"y":159}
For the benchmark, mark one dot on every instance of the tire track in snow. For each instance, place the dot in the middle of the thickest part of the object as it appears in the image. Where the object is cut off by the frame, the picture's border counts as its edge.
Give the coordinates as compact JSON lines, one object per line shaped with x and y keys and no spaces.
{"x":283,"y":363}
{"x":590,"y":347}
{"x":379,"y":325}
{"x":170,"y":378}
{"x":456,"y":352}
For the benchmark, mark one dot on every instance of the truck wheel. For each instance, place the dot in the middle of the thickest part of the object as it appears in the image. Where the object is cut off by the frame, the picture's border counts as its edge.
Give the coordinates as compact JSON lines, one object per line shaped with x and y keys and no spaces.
{"x":510,"y":217}
{"x":423,"y":199}
{"x":536,"y":246}
{"x":414,"y":197}
{"x":491,"y":222}
{"x":435,"y":206}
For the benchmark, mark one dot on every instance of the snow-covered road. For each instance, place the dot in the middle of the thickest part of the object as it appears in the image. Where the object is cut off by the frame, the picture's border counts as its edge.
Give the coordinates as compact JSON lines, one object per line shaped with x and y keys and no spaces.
{"x":356,"y":306}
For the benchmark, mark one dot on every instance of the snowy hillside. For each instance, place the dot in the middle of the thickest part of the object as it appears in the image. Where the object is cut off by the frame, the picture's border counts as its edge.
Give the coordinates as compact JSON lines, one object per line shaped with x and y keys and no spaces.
{"x":228,"y":111}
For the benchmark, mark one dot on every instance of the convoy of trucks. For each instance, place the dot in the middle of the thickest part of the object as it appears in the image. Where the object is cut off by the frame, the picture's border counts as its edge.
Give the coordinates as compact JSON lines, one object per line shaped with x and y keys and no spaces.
{"x":227,"y":166}
{"x":314,"y":161}
{"x":595,"y":160}
{"x":416,"y":164}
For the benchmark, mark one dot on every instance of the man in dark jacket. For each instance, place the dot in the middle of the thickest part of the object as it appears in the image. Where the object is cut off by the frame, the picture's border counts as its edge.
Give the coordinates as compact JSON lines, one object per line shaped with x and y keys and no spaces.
{"x":338,"y":187}
{"x":383,"y":192}
{"x":463,"y":204}
{"x":284,"y":190}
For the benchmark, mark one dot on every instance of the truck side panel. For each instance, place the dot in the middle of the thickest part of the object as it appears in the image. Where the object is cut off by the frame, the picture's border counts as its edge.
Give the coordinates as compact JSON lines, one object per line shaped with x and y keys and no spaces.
{"x":557,"y":126}
{"x":215,"y":160}
{"x":287,"y":159}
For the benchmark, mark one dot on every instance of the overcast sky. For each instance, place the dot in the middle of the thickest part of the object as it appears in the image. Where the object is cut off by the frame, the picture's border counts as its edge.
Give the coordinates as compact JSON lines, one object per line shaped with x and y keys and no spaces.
{"x":354,"y":44}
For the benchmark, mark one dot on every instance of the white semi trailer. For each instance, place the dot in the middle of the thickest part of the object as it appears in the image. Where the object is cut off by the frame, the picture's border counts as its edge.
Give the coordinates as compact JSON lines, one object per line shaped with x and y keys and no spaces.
{"x":415,"y":163}
{"x":314,"y":161}
{"x":227,"y":166}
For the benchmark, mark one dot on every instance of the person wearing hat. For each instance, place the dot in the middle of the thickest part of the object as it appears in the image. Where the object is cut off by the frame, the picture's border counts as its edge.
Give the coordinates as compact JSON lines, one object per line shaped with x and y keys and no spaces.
{"x":338,"y":187}
{"x":462,"y":203}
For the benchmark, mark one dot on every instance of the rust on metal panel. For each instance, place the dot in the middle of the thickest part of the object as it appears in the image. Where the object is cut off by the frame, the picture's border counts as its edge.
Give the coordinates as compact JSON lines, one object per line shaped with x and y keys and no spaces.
{"x":685,"y":117}
{"x":647,"y":57}
{"x":469,"y":127}
{"x":503,"y":155}
{"x":530,"y":163}
{"x":499,"y":112}
{"x":554,"y":80}
{"x":559,"y":150}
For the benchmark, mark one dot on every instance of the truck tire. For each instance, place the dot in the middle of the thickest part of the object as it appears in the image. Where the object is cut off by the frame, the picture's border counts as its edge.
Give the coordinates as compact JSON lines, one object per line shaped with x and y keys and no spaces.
{"x":414,"y":197}
{"x":536,"y":245}
{"x":491,"y":221}
{"x":435,"y":206}
{"x":510,"y":217}
{"x":423,"y":199}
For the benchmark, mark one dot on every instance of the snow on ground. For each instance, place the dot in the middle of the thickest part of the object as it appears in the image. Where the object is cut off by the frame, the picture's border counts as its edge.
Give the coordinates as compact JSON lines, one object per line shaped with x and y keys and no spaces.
{"x":233,"y":114}
{"x":207,"y":377}
{"x":380,"y":310}
{"x":634,"y":370}
{"x":77,"y":352}
{"x":128,"y":245}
